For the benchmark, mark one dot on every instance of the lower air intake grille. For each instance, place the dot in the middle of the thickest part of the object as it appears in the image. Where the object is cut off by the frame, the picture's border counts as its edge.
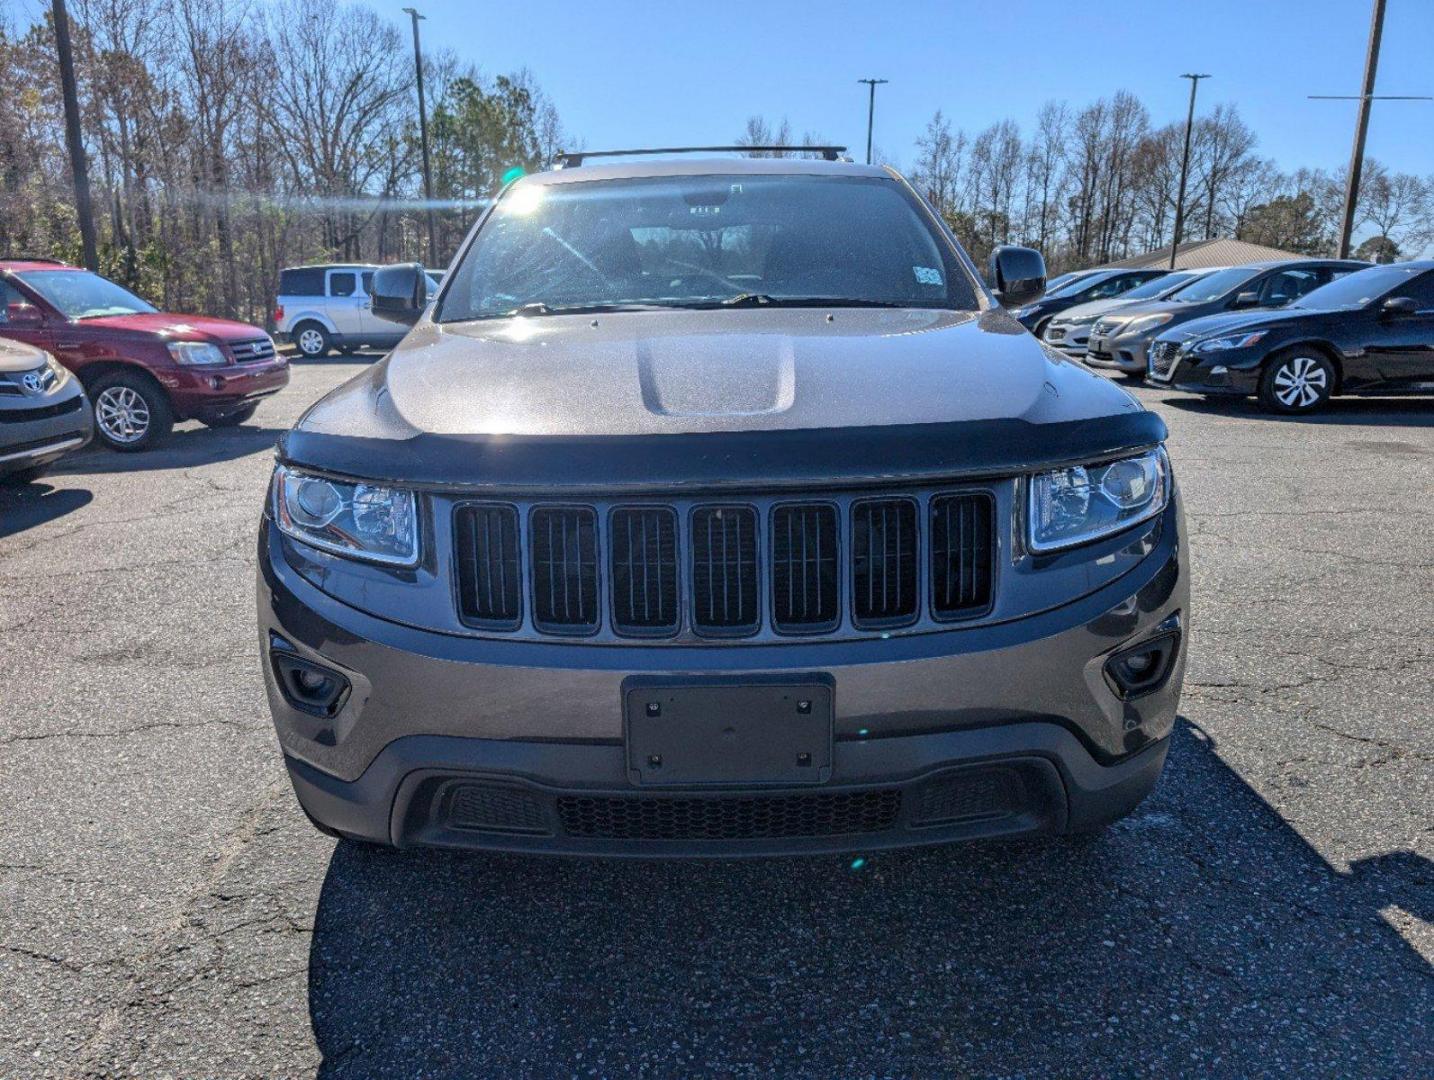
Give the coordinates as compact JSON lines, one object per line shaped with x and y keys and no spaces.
{"x":969,"y":796}
{"x":644,"y":570}
{"x":490,"y":571}
{"x":724,"y":570}
{"x":962,"y":528}
{"x":494,"y":808}
{"x":804,"y":568}
{"x":565,"y":569}
{"x":883,"y":534}
{"x":632,"y":817}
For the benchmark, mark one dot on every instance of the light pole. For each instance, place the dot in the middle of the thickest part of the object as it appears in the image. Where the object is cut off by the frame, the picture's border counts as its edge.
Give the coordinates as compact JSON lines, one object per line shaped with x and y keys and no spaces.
{"x":75,"y":138}
{"x":1184,"y":168}
{"x":872,"y":84}
{"x":423,"y":138}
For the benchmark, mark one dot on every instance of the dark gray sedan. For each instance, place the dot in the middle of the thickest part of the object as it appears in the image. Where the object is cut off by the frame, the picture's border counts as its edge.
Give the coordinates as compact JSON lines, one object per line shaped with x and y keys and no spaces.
{"x":43,"y":412}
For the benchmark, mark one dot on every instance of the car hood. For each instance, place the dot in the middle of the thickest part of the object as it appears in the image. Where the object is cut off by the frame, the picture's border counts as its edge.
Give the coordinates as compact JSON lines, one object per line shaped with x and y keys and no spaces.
{"x":709,"y":398}
{"x":1136,"y":308}
{"x":17,"y":356}
{"x":1232,"y":322}
{"x":176,"y":327}
{"x":644,"y":373}
{"x":1092,"y":308}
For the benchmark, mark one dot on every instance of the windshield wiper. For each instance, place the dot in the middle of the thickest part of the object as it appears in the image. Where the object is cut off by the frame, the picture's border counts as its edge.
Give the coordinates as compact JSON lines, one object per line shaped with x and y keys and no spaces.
{"x":537,"y":307}
{"x":765,"y":300}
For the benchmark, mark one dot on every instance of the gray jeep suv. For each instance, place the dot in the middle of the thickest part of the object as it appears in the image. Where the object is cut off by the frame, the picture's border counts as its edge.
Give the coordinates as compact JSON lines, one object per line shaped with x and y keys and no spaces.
{"x":716,"y":507}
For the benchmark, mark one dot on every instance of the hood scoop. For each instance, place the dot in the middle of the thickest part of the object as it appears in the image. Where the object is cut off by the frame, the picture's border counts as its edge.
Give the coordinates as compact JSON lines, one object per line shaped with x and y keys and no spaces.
{"x":712,"y":377}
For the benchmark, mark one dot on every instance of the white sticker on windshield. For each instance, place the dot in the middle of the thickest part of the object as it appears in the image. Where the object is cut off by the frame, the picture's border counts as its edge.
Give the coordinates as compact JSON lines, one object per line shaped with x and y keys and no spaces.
{"x":927,"y":275}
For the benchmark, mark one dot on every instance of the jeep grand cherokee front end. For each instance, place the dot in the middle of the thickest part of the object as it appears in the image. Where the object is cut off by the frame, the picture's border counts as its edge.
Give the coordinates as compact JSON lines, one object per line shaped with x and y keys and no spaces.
{"x":715,"y":507}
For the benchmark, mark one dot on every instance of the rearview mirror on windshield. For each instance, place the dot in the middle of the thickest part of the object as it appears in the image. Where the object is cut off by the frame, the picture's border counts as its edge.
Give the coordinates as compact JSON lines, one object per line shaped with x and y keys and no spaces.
{"x":400,"y":293}
{"x":1017,"y":275}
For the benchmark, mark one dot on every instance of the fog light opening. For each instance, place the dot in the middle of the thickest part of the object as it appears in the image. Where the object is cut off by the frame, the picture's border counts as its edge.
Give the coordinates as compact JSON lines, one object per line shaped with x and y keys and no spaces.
{"x":1142,"y":669}
{"x":309,"y":687}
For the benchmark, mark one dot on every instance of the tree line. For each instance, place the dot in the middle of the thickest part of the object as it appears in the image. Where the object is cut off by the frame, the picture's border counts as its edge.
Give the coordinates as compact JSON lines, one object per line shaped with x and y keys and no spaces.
{"x":228,"y":139}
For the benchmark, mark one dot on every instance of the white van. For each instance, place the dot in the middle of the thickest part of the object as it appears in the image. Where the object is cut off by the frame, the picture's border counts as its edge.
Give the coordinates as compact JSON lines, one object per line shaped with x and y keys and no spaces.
{"x":326,"y":307}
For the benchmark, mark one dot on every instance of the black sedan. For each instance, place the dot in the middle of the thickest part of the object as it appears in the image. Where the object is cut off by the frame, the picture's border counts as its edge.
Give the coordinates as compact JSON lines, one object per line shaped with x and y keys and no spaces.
{"x":1081,"y":289}
{"x":1371,"y":332}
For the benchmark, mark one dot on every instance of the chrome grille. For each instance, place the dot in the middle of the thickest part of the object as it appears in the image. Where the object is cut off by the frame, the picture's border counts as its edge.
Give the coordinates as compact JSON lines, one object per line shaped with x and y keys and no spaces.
{"x":962,"y":531}
{"x":490,"y":569}
{"x":643,"y":544}
{"x":724,"y":569}
{"x":883,"y":536}
{"x":1163,"y":356}
{"x":565,"y":569}
{"x":250,"y":352}
{"x":805,"y":586}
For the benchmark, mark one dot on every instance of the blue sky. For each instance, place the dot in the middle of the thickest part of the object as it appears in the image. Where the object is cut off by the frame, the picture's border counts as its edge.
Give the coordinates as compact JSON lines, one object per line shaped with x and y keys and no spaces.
{"x":626,"y":73}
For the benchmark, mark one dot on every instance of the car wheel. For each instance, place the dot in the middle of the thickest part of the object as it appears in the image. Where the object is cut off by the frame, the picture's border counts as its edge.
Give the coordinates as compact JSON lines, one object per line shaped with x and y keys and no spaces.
{"x":131,"y":411}
{"x":1296,"y":381}
{"x":312,"y":340}
{"x":23,"y":476}
{"x":230,"y":419}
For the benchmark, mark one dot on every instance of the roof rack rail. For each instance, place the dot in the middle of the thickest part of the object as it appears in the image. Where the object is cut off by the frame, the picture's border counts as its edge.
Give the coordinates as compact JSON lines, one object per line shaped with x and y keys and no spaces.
{"x":565,"y":159}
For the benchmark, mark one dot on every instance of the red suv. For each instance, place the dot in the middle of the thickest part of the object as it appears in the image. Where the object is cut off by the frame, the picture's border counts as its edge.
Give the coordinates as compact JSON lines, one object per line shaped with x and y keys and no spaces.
{"x":144,"y":369}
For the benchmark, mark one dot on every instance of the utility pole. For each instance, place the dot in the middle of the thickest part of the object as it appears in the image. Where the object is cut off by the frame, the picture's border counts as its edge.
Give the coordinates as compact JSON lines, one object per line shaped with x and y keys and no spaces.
{"x":74,"y":137}
{"x":1184,"y":168}
{"x":871,"y":111}
{"x":423,"y":138}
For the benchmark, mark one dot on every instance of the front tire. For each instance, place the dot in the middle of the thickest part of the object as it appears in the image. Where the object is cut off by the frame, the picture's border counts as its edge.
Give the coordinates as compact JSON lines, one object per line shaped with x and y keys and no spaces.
{"x":131,"y":412}
{"x":312,"y":341}
{"x":1296,"y":382}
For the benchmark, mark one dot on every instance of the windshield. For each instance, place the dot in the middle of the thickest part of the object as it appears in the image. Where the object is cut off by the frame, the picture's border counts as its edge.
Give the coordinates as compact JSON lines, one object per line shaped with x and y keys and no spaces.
{"x":1157,"y":287}
{"x":1079,"y":284}
{"x":704,"y":241}
{"x":1357,"y":289}
{"x":1213,"y":286}
{"x":78,"y":294}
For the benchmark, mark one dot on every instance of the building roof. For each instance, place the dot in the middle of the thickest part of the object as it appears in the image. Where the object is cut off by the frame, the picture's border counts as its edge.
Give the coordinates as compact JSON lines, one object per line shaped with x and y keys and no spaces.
{"x":1199,"y":254}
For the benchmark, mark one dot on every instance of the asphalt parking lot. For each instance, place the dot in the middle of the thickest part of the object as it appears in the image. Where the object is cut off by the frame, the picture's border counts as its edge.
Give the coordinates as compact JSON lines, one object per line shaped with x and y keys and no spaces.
{"x":169,"y":912}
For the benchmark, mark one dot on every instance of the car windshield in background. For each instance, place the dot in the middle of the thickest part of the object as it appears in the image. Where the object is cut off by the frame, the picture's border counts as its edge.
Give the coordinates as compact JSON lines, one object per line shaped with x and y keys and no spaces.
{"x":704,"y":241}
{"x":1080,"y":284}
{"x":1156,"y":287}
{"x":1356,"y":290}
{"x":1213,"y":286}
{"x":77,"y":294}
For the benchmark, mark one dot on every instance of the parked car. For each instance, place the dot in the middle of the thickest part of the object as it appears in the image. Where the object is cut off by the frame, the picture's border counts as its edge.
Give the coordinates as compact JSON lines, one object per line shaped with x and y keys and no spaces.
{"x":1060,"y":281}
{"x":1370,"y":332}
{"x":715,"y":507}
{"x":142,"y":369}
{"x":43,"y":412}
{"x":320,"y":308}
{"x":1070,"y":330}
{"x":1098,"y":285}
{"x":1120,"y":341}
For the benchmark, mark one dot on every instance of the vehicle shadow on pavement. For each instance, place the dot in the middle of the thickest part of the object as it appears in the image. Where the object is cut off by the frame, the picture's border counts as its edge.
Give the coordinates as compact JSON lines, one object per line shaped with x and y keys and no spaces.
{"x":1385,"y":412}
{"x":26,"y":506}
{"x":185,"y":448}
{"x":1202,"y":936}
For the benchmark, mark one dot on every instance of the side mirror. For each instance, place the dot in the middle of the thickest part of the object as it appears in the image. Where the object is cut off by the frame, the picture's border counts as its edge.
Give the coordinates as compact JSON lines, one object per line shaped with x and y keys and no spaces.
{"x":1245,"y":299}
{"x":1017,"y":275}
{"x":400,"y":293}
{"x":23,"y":317}
{"x":1399,"y":305}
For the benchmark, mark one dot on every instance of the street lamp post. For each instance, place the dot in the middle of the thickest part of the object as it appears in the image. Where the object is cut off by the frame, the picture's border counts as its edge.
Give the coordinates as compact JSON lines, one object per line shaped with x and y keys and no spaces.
{"x":1184,"y":169}
{"x":872,"y":84}
{"x":423,"y":138}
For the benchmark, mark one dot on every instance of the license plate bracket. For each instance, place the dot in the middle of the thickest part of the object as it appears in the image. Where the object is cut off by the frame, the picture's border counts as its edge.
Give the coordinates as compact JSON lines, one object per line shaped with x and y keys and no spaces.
{"x":747,"y":731}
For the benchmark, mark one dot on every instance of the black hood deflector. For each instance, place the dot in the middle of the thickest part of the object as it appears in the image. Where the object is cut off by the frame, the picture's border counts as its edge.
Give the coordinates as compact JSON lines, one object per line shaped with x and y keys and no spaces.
{"x":818,"y":458}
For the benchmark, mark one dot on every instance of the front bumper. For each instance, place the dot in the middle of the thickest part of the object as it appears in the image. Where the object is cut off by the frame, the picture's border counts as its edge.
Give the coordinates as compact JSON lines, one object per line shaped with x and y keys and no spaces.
{"x":1071,"y":339}
{"x":35,"y":432}
{"x":1233,"y":373}
{"x":202,"y":391}
{"x":469,"y":742}
{"x":1118,"y":352}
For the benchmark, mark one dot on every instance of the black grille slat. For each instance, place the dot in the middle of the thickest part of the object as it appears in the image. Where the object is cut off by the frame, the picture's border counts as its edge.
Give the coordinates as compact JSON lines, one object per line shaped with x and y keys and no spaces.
{"x":884,"y":543}
{"x":962,"y":555}
{"x":490,"y":569}
{"x":643,"y":554}
{"x":805,"y":594}
{"x":637,"y":817}
{"x":565,"y":569}
{"x":724,"y":570}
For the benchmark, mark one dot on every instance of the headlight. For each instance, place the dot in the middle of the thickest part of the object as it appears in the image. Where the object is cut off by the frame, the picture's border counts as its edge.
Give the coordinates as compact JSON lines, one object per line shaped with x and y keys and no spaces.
{"x":196,"y":353}
{"x":1146,"y":323}
{"x":1082,"y":320}
{"x":363,"y":521}
{"x":1239,"y":341}
{"x":1081,"y":503}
